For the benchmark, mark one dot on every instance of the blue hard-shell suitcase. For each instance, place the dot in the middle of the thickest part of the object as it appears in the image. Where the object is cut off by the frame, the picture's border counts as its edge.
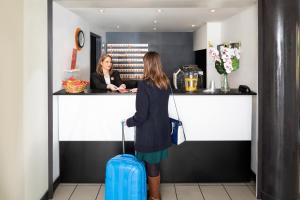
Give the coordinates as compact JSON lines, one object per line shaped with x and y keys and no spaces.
{"x":125,"y":177}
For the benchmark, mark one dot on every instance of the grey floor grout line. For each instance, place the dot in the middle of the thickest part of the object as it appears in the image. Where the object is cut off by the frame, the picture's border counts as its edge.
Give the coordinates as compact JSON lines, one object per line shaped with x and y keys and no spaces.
{"x":98,"y":192}
{"x":175,"y":191}
{"x":253,"y":192}
{"x":226,"y":191}
{"x":72,"y":192}
{"x":201,"y":191}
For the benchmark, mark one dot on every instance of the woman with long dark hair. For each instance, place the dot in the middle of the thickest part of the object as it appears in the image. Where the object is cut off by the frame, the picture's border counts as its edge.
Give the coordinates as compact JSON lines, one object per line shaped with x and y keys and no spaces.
{"x":151,"y":119}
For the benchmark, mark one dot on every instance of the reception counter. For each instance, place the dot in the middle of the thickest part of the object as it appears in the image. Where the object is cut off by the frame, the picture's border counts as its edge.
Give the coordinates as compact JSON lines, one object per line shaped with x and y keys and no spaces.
{"x":217,"y":125}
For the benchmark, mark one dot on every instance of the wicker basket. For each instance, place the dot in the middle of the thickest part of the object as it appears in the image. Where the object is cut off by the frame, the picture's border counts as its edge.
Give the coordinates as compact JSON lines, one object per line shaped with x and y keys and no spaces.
{"x":72,"y":86}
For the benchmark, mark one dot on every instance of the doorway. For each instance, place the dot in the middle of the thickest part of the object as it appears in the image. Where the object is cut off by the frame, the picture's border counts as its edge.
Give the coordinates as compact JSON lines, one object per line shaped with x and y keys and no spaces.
{"x":96,"y":43}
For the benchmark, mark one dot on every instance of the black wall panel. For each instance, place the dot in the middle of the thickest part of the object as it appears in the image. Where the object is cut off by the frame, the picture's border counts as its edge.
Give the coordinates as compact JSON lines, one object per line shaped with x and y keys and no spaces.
{"x":199,"y":161}
{"x":175,"y":48}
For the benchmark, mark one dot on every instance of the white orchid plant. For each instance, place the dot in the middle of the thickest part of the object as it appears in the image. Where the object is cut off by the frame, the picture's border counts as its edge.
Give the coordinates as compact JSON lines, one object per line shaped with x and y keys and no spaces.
{"x":226,"y":58}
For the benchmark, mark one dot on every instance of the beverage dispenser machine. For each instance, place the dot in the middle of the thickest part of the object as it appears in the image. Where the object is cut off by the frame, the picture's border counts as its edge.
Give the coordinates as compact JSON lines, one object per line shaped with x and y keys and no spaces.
{"x":188,"y":78}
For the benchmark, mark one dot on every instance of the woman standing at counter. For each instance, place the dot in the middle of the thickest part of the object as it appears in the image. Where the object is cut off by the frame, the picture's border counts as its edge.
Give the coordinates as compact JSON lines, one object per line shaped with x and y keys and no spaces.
{"x":152,"y":120}
{"x":105,"y":77}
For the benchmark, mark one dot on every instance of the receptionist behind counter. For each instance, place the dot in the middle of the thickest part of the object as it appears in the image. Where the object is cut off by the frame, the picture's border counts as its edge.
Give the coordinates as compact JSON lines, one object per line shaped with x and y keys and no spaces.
{"x":105,"y":77}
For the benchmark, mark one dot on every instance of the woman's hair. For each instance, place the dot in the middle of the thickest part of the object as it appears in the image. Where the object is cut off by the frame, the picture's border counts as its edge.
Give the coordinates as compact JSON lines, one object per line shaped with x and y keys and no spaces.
{"x":153,"y":70}
{"x":99,"y":69}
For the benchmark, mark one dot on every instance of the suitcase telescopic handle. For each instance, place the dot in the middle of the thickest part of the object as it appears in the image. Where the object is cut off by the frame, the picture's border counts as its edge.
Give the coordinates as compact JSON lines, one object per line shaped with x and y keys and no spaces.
{"x":123,"y":136}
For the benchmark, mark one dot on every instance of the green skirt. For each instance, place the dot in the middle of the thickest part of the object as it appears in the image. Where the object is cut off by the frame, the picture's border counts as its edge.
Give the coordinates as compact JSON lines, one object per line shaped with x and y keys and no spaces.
{"x":153,"y":157}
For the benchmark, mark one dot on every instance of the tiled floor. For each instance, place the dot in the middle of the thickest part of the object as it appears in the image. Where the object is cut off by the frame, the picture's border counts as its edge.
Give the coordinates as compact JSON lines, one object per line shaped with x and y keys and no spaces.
{"x":188,"y":191}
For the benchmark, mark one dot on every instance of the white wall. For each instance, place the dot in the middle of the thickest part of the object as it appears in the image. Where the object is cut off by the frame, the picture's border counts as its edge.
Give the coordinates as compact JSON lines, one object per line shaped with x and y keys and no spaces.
{"x":56,"y":169}
{"x":64,"y":24}
{"x":23,"y":82}
{"x":11,"y":137}
{"x":208,"y":33}
{"x":214,"y":31}
{"x":243,"y":28}
{"x":35,"y":99}
{"x":233,"y":29}
{"x":200,"y":38}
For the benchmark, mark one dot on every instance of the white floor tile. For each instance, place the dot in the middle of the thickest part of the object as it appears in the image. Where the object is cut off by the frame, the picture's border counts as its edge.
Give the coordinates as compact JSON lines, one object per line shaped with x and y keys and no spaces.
{"x":186,"y":184}
{"x":214,"y":193}
{"x":240,"y":192}
{"x":85,"y":192}
{"x":189,"y":192}
{"x":252,"y":188}
{"x":168,"y":192}
{"x":101,"y":193}
{"x":88,"y":184}
{"x":210,"y":184}
{"x":64,"y":191}
{"x":251,"y":183}
{"x":68,"y":184}
{"x":235,"y":184}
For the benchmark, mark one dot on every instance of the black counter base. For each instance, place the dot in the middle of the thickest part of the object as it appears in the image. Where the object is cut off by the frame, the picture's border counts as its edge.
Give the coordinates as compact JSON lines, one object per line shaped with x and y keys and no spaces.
{"x":215,"y":161}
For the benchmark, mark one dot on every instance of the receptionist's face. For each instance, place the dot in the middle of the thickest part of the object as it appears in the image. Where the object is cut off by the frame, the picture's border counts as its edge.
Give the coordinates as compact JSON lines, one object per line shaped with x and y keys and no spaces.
{"x":106,"y":63}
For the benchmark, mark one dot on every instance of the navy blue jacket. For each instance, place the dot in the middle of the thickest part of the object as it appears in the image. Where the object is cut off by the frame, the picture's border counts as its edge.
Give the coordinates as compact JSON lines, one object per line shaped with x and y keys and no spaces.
{"x":153,"y":127}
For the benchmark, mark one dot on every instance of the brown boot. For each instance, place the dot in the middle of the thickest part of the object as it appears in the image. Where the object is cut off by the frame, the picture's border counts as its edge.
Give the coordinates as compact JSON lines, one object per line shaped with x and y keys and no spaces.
{"x":154,"y":185}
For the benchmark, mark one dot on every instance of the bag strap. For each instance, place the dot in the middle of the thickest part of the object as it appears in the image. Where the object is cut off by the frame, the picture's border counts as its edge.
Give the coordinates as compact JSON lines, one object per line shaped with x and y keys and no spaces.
{"x":177,"y":112}
{"x":123,"y":137}
{"x":175,"y":103}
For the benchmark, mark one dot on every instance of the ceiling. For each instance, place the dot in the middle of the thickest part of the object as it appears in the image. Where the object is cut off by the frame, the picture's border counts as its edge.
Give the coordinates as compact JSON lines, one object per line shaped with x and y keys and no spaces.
{"x":141,"y":15}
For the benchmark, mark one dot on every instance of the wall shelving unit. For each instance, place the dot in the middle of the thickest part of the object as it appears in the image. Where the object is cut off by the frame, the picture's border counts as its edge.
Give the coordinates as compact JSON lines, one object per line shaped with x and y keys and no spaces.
{"x":128,"y":59}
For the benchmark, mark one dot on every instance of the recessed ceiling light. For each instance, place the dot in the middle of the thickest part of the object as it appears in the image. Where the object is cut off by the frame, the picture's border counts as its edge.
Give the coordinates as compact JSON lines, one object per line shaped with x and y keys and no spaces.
{"x":155,"y":21}
{"x":101,"y":11}
{"x":159,"y":10}
{"x":118,"y":26}
{"x":193,"y":25}
{"x":154,"y":28}
{"x":212,"y":10}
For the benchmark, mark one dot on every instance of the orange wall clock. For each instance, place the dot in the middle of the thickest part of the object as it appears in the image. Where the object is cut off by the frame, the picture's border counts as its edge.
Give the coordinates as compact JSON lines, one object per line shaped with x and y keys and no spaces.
{"x":79,"y":39}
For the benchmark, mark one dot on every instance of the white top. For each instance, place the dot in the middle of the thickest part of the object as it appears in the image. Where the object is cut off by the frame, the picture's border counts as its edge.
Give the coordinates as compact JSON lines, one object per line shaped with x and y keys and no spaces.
{"x":107,"y":79}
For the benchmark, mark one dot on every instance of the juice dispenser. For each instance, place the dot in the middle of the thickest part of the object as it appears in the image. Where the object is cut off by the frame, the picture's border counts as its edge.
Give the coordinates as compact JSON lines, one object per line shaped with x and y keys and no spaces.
{"x":188,"y":78}
{"x":191,"y":81}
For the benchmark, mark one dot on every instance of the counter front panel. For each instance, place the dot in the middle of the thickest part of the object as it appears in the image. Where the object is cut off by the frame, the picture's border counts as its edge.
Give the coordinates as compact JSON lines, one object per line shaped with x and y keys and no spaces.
{"x":205,"y":118}
{"x":218,"y":131}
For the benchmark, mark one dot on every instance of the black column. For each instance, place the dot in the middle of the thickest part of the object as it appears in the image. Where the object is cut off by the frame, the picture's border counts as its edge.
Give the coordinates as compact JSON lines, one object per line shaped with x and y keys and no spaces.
{"x":50,"y":98}
{"x":278,"y":99}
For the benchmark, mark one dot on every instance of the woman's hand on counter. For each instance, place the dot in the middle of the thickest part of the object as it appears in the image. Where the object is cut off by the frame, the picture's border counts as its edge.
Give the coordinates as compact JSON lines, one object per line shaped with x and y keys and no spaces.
{"x":112,"y":87}
{"x":134,"y":90}
{"x":123,"y":86}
